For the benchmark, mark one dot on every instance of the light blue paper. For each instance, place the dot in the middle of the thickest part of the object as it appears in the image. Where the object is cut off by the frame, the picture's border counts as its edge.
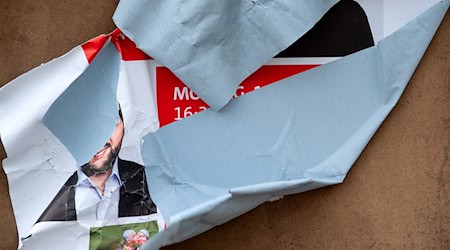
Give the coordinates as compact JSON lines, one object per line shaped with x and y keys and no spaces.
{"x":85,"y":114}
{"x":212,"y":46}
{"x":295,"y":135}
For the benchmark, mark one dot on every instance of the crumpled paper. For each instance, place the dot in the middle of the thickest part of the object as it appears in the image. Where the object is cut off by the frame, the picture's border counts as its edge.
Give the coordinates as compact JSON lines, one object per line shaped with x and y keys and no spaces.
{"x":298,"y":134}
{"x":93,"y":90}
{"x":212,"y":46}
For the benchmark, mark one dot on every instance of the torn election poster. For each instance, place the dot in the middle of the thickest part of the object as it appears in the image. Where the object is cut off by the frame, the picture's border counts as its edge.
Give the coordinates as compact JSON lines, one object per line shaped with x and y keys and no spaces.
{"x":171,"y":167}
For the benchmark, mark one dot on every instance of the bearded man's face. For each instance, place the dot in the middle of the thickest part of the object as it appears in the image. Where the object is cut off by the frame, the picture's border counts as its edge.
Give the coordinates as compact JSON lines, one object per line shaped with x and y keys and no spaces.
{"x":106,"y":156}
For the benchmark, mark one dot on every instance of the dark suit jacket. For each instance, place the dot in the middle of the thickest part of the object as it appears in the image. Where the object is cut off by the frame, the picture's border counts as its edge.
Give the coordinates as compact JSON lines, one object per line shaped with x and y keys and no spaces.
{"x":134,"y":196}
{"x":343,"y":30}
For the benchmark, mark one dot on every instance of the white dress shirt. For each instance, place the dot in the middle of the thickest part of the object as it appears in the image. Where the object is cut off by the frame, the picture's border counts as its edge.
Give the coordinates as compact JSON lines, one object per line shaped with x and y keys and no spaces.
{"x":90,"y":204}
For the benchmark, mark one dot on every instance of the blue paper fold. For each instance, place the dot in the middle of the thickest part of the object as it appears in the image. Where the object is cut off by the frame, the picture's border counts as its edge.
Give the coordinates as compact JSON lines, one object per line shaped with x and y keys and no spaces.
{"x":295,"y":135}
{"x":85,"y":114}
{"x":212,"y":46}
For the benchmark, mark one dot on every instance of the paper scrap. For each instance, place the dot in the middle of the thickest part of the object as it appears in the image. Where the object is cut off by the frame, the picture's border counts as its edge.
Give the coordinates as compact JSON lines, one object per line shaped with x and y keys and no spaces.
{"x":212,"y":46}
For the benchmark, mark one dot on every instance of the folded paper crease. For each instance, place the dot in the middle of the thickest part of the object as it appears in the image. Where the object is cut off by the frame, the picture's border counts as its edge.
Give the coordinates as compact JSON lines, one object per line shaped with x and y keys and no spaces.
{"x":352,"y":96}
{"x":183,"y":35}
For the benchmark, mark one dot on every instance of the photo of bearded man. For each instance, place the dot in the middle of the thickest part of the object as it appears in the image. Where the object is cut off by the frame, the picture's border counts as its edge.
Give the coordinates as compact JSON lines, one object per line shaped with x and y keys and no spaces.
{"x":104,"y":188}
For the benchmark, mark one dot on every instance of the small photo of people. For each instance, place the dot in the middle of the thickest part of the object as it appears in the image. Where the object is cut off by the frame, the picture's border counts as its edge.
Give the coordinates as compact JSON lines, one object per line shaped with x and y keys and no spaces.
{"x":122,"y":237}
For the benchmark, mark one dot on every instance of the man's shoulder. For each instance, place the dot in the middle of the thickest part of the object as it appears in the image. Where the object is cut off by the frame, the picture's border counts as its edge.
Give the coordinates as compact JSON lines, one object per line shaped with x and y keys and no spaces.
{"x":62,"y":207}
{"x":129,"y":169}
{"x":130,"y":164}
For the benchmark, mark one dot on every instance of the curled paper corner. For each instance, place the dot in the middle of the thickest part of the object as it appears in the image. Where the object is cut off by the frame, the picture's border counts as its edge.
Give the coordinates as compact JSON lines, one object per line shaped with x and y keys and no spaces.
{"x":187,"y":44}
{"x":85,"y":114}
{"x":336,"y":114}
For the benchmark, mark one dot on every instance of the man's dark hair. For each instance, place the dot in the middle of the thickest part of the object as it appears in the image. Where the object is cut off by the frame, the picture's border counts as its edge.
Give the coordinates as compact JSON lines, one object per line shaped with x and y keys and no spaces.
{"x":120,"y":112}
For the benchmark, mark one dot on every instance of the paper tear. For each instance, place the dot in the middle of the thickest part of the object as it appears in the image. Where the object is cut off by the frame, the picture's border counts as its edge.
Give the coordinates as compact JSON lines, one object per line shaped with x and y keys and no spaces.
{"x":175,"y":42}
{"x":342,"y":112}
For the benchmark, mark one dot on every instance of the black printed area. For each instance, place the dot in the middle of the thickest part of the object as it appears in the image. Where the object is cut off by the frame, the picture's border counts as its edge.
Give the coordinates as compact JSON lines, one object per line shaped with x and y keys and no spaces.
{"x":343,"y":30}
